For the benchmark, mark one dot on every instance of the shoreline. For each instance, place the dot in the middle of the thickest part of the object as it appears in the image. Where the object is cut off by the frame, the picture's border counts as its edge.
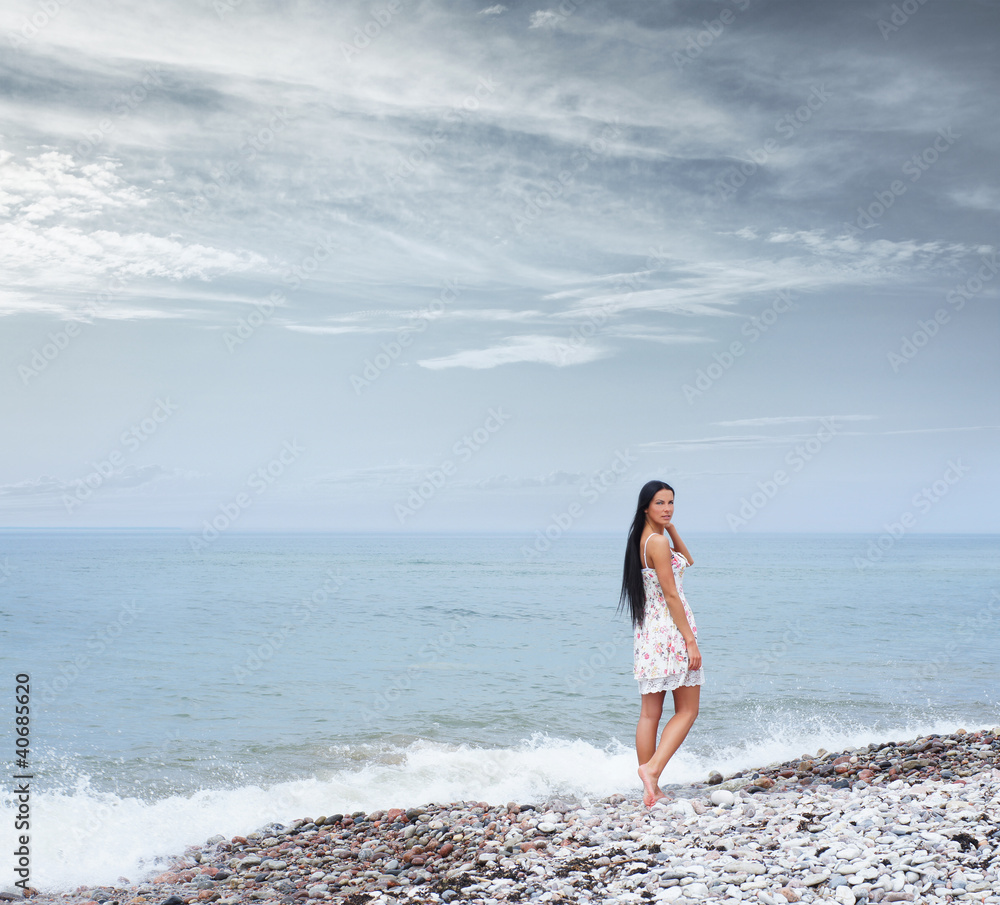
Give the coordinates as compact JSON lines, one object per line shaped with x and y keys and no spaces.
{"x":893,"y":821}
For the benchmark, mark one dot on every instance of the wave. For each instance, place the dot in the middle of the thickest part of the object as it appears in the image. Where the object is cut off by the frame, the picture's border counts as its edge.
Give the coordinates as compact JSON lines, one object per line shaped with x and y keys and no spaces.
{"x":81,"y":836}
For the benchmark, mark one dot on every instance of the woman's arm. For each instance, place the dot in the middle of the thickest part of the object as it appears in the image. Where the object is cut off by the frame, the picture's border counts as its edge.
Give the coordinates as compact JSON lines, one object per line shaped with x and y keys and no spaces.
{"x":658,"y":554}
{"x":679,"y":545}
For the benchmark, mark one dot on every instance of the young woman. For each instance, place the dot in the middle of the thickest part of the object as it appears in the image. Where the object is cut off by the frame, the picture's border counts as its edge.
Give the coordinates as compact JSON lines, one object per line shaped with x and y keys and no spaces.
{"x":666,"y":646}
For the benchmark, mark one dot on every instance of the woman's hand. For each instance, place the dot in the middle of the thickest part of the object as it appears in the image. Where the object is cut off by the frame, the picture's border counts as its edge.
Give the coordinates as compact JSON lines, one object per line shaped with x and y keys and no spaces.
{"x":694,"y":655}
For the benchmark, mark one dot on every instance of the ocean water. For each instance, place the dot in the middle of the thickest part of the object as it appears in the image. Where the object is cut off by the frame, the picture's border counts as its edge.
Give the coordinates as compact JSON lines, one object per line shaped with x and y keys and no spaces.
{"x":176,"y":695}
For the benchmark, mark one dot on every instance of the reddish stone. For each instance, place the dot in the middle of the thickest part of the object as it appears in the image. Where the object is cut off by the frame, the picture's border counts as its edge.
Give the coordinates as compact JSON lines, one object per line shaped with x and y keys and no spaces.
{"x":866,"y":775}
{"x":842,"y":768}
{"x":765,"y":782}
{"x":527,"y":846}
{"x":168,"y":877}
{"x":419,"y":861}
{"x":187,"y":875}
{"x":239,"y":840}
{"x":787,"y":774}
{"x":394,"y":814}
{"x":845,"y":759}
{"x":446,"y":849}
{"x":206,"y":894}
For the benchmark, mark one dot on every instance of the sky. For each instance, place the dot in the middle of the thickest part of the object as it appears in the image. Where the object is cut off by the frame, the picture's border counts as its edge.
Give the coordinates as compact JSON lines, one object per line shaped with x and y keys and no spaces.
{"x":444,"y":266}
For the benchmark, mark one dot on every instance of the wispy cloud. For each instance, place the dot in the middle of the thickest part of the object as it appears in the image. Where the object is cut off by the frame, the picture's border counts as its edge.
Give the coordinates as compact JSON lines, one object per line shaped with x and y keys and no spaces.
{"x":549,"y":350}
{"x":792,"y":419}
{"x":127,"y":477}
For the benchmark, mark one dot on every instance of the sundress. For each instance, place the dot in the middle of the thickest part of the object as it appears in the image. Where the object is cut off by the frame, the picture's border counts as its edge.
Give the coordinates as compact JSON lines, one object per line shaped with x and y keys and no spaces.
{"x":661,"y":657}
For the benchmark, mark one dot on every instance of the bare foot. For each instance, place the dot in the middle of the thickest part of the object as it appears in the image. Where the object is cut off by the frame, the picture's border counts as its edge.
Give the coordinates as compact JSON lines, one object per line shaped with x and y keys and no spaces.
{"x":651,"y":791}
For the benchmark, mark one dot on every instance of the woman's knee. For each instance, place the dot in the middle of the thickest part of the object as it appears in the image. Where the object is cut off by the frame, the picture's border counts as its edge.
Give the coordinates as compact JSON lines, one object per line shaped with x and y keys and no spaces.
{"x":651,"y":713}
{"x":652,"y":709}
{"x":686,"y":706}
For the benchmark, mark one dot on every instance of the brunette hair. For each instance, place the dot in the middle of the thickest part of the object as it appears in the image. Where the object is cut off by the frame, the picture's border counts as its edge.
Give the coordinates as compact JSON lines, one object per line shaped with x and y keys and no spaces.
{"x":633,"y":594}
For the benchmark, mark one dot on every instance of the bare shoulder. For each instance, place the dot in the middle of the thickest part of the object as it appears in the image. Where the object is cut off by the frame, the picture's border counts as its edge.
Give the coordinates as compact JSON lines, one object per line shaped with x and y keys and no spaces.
{"x":658,"y":549}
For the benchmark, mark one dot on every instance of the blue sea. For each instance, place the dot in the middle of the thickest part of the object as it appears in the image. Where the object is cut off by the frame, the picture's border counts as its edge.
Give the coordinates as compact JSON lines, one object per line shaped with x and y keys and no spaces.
{"x":176,"y":695}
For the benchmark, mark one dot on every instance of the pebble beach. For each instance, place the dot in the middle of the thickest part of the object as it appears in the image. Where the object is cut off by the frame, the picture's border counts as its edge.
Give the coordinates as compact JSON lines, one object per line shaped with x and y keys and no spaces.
{"x":897,"y":821}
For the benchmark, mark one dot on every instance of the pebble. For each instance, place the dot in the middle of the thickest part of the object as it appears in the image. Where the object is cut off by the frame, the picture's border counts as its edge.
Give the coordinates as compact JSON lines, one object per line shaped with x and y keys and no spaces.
{"x":902,"y":822}
{"x":723,"y":797}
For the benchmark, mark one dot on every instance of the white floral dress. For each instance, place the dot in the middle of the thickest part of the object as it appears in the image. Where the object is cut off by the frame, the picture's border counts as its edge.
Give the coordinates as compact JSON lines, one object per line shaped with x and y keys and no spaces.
{"x":661,"y":657}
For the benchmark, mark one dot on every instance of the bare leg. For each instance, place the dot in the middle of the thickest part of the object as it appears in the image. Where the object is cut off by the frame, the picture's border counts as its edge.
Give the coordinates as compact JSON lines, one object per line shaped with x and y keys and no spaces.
{"x":686,"y":699}
{"x":649,"y":725}
{"x":645,"y":740}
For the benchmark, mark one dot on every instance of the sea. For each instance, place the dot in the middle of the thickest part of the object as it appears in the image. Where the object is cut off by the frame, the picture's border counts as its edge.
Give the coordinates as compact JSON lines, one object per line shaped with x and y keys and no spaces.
{"x":175,"y":694}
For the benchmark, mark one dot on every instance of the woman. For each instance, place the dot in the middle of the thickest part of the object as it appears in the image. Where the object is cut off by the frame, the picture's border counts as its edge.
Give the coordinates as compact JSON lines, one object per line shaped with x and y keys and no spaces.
{"x":666,"y":647}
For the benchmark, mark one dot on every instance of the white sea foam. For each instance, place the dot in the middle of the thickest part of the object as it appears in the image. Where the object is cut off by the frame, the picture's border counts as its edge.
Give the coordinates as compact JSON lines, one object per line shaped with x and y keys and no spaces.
{"x":80,"y":836}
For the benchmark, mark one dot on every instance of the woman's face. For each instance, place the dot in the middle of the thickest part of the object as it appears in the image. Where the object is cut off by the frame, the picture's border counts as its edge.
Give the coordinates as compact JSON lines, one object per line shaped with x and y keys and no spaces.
{"x":661,"y":508}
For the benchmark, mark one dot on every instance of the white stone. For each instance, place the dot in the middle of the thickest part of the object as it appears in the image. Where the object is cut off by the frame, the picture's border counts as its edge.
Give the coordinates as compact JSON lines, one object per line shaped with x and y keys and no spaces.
{"x":723,"y":798}
{"x":844,"y":895}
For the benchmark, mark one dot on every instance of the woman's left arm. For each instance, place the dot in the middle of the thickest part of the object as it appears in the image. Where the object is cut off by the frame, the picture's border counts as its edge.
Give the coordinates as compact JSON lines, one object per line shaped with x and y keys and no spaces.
{"x":678,"y":544}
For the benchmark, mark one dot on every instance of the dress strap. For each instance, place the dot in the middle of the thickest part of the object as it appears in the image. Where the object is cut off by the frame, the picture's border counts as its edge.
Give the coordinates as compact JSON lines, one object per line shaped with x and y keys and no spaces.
{"x":644,"y":552}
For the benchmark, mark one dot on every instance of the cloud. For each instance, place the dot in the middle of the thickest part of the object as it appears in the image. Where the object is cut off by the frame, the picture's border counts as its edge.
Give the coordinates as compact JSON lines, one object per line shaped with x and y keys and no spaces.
{"x":55,"y":244}
{"x":494,"y":10}
{"x":550,"y":350}
{"x":553,"y":479}
{"x":792,"y":419}
{"x":127,"y":477}
{"x":753,"y":441}
{"x":545,"y":18}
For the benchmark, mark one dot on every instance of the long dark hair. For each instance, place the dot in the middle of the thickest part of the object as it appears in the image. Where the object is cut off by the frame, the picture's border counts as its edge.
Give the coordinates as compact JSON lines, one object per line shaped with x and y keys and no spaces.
{"x":633,"y":595}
